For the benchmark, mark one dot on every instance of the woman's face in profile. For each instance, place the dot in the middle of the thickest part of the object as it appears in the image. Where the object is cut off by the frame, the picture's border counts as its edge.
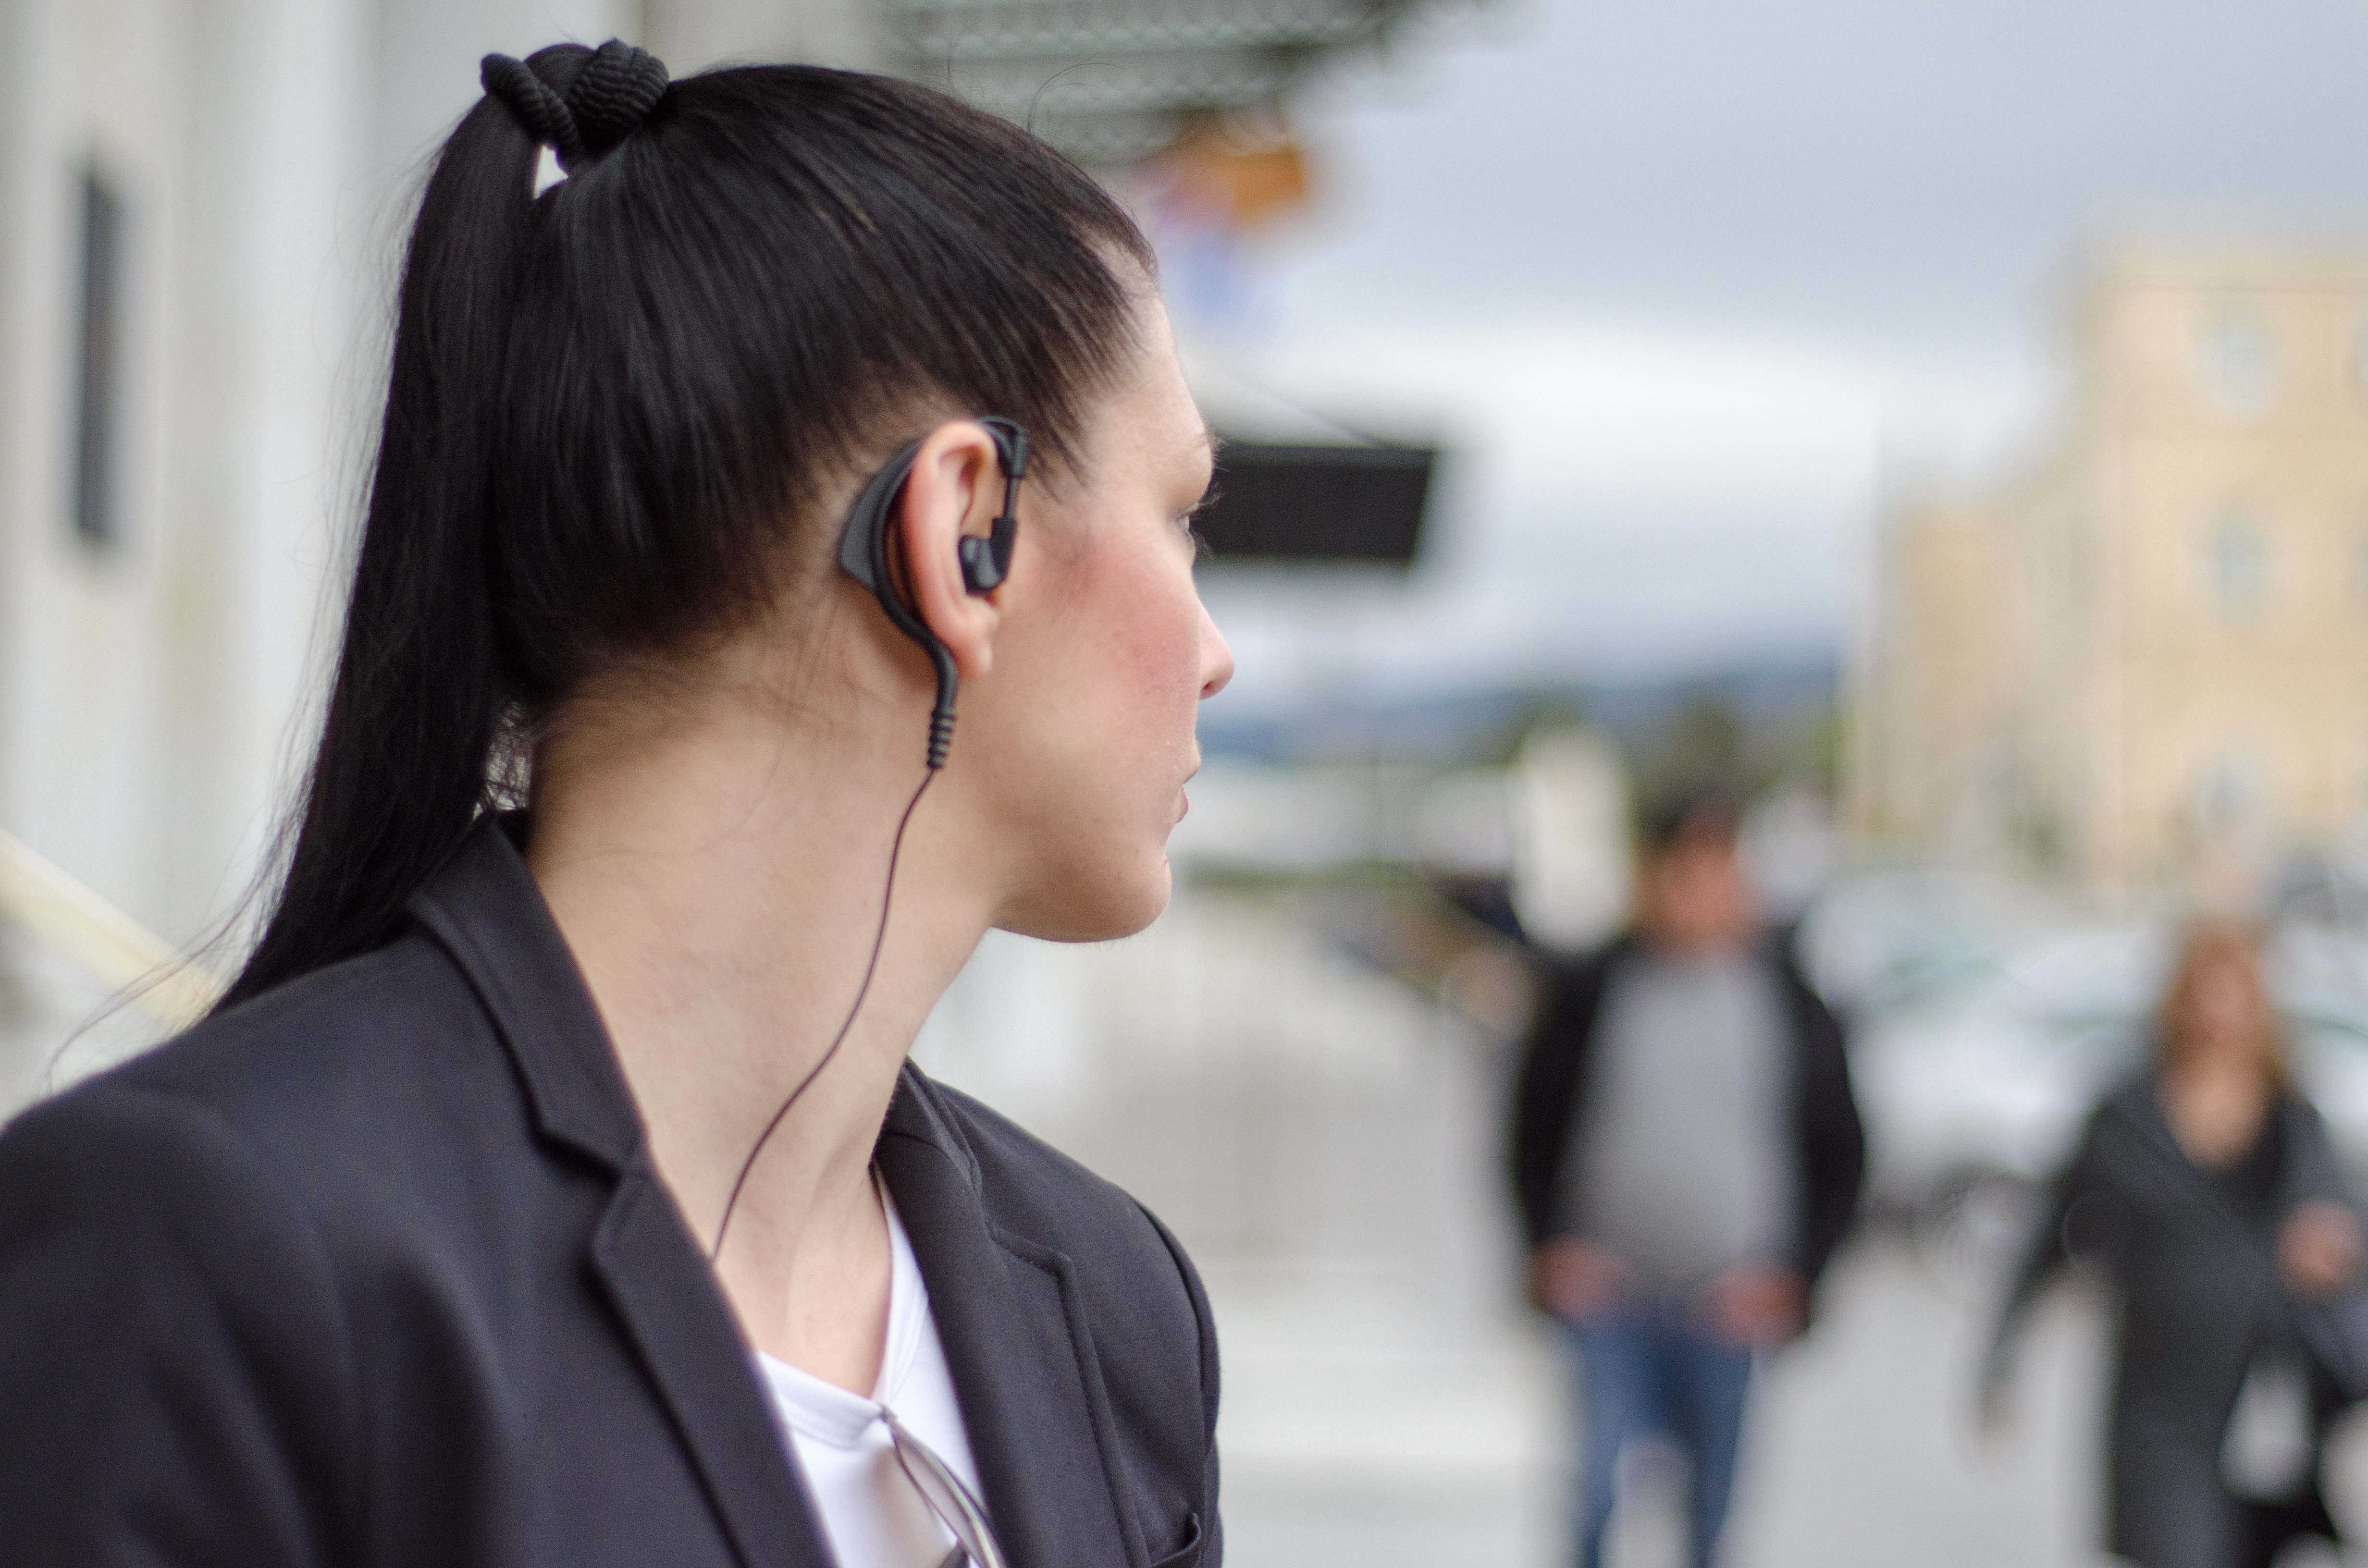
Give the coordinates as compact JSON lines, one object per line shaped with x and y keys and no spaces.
{"x":1101,"y":665}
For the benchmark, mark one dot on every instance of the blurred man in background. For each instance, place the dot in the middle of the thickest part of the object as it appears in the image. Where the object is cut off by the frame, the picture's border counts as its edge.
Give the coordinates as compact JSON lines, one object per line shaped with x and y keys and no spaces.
{"x":1687,"y":1156}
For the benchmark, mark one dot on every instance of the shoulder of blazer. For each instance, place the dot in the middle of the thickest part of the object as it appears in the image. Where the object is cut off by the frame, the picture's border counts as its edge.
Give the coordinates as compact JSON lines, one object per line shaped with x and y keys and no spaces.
{"x":201,"y":1210}
{"x":1037,"y":1200}
{"x":1133,"y":1301}
{"x":177,"y":1341}
{"x":336,"y":1058}
{"x":379,"y":1092}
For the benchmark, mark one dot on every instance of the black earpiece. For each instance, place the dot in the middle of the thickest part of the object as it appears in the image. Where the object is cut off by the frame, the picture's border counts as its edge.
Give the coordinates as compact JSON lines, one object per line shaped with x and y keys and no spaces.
{"x":863,"y":554}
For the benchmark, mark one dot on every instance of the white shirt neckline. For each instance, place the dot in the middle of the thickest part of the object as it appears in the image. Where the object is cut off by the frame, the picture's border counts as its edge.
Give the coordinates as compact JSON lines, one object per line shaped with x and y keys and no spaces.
{"x":816,"y":1407}
{"x":869,"y":1508}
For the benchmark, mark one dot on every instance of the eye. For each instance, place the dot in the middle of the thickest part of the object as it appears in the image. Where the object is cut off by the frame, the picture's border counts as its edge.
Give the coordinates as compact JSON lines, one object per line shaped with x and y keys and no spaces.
{"x":1186,"y":518}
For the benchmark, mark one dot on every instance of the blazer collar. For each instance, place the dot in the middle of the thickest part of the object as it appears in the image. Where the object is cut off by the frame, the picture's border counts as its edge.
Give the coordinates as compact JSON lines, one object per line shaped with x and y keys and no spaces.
{"x":1006,"y":1303}
{"x":1018,"y":1348}
{"x":486,"y":911}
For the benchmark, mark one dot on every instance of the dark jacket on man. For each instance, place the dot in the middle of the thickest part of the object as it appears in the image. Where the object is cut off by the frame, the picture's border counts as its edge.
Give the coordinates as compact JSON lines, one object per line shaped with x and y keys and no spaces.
{"x":1550,"y":1098}
{"x":376,"y":1269}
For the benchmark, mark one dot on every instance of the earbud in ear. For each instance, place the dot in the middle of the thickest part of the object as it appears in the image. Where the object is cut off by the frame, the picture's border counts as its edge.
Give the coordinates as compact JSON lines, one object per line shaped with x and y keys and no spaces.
{"x":987,"y":562}
{"x":863,"y":555}
{"x":983,"y":571}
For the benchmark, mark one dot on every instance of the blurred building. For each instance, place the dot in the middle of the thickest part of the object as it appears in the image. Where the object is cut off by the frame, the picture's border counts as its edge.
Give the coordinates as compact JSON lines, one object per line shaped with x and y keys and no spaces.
{"x":2139,"y":662}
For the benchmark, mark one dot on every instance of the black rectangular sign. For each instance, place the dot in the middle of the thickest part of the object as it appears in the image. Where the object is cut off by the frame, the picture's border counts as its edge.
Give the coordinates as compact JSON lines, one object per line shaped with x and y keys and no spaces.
{"x":1283,"y":502}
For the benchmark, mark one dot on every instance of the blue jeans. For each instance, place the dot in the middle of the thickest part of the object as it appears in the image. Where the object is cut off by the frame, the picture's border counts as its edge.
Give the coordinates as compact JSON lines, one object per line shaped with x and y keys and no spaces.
{"x":1647,"y":1371}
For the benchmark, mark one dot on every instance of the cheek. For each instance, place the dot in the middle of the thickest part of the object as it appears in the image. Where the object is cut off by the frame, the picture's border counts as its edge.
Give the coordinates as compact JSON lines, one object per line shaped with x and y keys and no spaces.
{"x":1147,"y":682}
{"x":1089,"y":767}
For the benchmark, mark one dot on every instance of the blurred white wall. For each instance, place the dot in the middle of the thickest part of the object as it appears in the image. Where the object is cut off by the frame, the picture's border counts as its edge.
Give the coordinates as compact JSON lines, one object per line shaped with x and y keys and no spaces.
{"x":423,"y":73}
{"x":154,"y":688}
{"x":149,"y":680}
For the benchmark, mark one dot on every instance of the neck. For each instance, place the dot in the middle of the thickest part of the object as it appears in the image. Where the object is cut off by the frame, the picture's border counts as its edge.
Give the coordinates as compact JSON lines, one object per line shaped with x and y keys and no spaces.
{"x":1692,"y":944}
{"x":2224,"y":1070}
{"x":720,"y":885}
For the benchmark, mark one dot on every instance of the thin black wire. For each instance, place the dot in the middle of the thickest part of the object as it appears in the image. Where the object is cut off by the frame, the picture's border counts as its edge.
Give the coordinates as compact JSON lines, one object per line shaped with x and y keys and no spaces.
{"x":877,"y":937}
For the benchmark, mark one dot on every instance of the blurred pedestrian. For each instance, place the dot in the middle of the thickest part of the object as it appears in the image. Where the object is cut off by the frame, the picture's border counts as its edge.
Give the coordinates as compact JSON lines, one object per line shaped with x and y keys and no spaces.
{"x":1687,"y":1154}
{"x":459,"y":1233}
{"x":2205,"y":1192}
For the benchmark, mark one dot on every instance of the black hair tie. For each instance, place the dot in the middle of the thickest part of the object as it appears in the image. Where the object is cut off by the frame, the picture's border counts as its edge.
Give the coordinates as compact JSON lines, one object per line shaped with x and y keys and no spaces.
{"x":586,"y":102}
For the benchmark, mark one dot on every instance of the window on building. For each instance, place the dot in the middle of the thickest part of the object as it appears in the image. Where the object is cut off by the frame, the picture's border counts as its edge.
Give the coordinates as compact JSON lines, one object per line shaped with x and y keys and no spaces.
{"x":99,"y":401}
{"x":2239,"y":358}
{"x":2237,"y":566}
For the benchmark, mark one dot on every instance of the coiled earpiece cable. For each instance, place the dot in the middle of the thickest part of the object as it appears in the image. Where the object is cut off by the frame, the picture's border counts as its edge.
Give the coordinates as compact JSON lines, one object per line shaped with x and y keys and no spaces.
{"x":863,"y":555}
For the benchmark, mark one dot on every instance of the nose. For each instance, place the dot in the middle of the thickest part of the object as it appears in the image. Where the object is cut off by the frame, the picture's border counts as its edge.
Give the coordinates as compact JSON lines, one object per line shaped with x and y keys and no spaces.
{"x":1216,"y":658}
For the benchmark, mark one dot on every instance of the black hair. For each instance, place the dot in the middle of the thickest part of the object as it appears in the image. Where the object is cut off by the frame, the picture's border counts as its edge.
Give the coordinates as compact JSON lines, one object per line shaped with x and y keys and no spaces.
{"x":1709,"y":817}
{"x":610,"y":405}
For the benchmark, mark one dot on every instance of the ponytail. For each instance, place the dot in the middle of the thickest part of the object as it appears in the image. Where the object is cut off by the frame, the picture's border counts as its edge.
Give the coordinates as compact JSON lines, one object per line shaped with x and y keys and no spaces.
{"x":611,"y":401}
{"x":416,"y":705}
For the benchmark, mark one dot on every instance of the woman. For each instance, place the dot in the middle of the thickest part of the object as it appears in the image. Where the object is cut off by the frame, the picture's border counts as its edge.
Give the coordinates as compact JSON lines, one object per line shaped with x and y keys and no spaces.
{"x":2205,"y":1190}
{"x":550,"y":1188}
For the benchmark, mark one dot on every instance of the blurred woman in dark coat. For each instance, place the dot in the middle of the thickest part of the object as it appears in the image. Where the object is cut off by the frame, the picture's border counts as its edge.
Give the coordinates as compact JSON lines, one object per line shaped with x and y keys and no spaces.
{"x":2207,"y":1193}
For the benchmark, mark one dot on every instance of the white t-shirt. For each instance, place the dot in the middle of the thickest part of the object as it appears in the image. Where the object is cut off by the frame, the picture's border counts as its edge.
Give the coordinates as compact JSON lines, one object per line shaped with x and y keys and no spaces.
{"x":870,"y":1511}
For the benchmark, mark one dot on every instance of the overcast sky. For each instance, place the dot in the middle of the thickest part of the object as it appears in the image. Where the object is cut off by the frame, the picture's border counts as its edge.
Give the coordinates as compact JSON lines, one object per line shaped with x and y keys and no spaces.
{"x":1683,"y":284}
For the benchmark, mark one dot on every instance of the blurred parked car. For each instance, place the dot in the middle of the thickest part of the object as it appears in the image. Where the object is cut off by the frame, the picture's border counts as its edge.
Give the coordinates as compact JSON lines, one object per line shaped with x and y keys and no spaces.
{"x":1876,"y":943}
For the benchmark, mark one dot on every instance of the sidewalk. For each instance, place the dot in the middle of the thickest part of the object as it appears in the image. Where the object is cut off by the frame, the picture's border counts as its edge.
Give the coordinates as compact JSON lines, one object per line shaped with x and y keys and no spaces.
{"x":1349,"y":1440}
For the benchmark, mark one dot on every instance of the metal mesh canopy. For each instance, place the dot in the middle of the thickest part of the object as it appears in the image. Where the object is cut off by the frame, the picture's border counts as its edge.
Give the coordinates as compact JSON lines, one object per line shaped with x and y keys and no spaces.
{"x":1113,"y":81}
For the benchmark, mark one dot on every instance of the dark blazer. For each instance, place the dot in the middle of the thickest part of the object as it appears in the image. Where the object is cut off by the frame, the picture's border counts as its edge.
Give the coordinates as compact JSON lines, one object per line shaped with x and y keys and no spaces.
{"x":375,"y":1269}
{"x":1550,"y":1093}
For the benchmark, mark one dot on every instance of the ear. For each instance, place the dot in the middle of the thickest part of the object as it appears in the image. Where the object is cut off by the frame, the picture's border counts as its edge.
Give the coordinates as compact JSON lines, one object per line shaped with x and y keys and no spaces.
{"x":956,"y":487}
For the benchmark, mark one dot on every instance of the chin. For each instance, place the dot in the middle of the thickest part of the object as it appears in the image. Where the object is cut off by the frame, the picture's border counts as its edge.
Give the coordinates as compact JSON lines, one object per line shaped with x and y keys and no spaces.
{"x":1100,"y":906}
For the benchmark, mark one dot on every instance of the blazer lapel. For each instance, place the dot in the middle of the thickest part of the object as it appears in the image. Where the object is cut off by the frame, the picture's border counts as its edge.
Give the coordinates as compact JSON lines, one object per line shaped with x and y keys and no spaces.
{"x":660,"y":1284}
{"x":1019,"y":1351}
{"x":486,"y":912}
